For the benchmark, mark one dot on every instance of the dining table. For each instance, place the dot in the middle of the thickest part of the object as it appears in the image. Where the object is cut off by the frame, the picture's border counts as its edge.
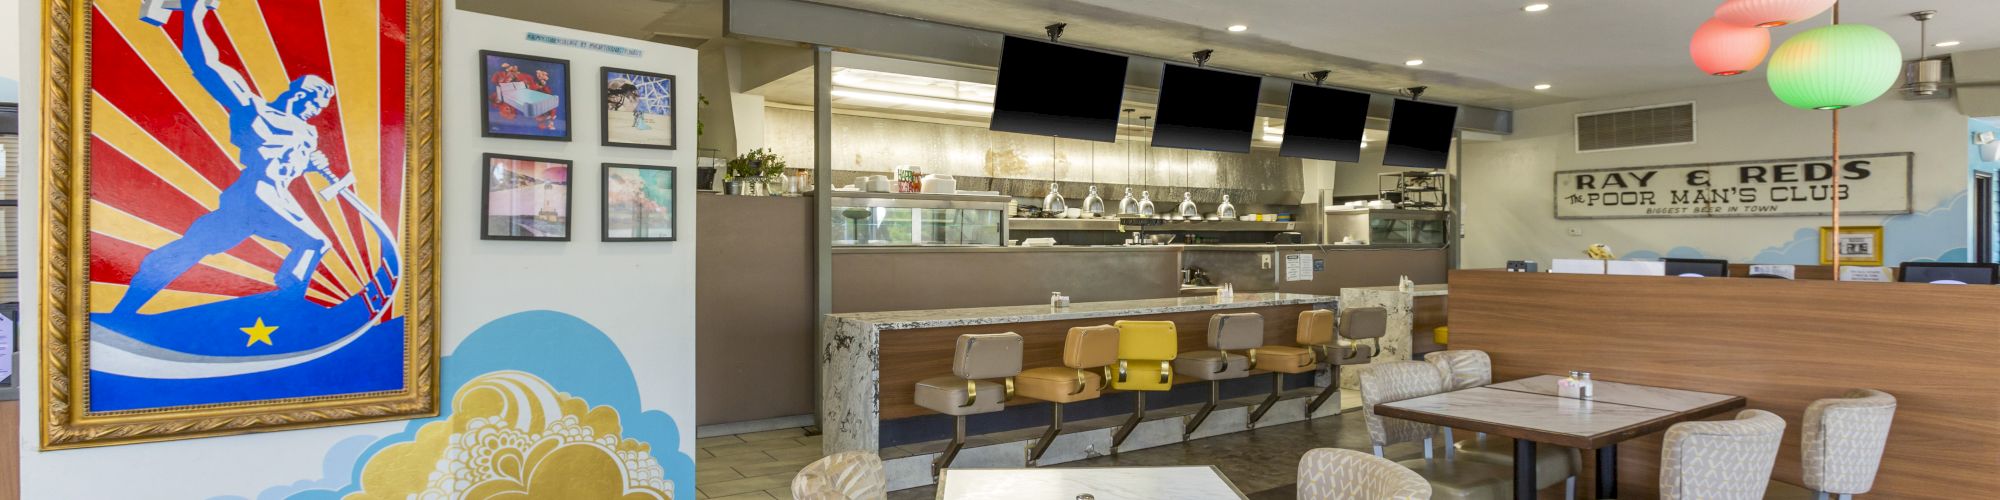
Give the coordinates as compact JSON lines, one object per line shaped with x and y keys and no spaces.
{"x":1533,"y":411}
{"x":1087,"y":483}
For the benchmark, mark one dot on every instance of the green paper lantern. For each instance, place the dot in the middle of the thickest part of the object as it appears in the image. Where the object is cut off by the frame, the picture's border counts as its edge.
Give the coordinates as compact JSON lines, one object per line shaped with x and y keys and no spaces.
{"x":1835,"y":67}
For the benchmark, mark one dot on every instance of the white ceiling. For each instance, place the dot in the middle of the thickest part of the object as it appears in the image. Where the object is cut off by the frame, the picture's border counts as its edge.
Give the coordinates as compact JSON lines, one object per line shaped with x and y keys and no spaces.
{"x":1482,"y":52}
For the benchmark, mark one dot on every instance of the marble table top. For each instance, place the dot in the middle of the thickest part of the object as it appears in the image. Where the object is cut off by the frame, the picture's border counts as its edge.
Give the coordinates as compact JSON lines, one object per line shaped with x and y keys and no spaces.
{"x":1102,"y":483}
{"x":1436,"y":290}
{"x":938,"y":318}
{"x":1658,"y":398}
{"x":1546,"y":418}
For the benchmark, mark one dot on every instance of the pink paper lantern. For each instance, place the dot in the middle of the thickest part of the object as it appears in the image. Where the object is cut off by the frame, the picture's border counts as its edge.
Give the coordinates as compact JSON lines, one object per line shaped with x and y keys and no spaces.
{"x":1723,"y":49}
{"x":1770,"y":13}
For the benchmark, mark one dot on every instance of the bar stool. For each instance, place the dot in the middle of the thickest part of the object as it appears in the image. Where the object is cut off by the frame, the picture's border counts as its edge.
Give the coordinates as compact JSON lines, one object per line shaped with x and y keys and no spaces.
{"x":1146,"y":351}
{"x":1322,"y":340}
{"x":1226,"y":332}
{"x":970,"y":390}
{"x":1083,"y":349}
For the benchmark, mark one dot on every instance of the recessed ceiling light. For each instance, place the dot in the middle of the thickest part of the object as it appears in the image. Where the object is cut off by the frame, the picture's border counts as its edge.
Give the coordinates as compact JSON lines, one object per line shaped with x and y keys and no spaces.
{"x":1238,"y":28}
{"x":1536,"y":7}
{"x":1542,"y":86}
{"x":1414,"y":62}
{"x":1953,"y":43}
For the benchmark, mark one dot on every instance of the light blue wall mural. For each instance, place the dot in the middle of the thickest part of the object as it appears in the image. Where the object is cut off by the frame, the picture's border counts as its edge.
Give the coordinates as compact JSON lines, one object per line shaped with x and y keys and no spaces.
{"x":538,"y":394}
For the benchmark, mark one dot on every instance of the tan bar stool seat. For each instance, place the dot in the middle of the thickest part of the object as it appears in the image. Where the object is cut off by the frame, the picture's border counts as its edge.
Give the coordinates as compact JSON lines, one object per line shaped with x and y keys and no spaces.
{"x":1226,"y":332}
{"x":976,"y":361}
{"x":1320,"y":340}
{"x":1084,"y":349}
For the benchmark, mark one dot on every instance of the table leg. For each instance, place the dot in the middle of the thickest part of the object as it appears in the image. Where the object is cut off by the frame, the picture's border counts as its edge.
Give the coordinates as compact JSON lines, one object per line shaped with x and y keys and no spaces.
{"x":1524,"y":470}
{"x":1607,"y":472}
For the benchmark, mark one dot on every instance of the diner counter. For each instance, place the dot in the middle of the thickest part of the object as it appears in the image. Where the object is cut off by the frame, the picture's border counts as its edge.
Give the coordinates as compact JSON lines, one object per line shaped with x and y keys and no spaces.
{"x":858,"y":389}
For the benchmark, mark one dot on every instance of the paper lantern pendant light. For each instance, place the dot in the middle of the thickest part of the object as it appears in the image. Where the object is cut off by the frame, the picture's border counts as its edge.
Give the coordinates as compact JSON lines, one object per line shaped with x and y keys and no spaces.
{"x":1770,"y":13}
{"x":1724,"y":49}
{"x":1834,"y":67}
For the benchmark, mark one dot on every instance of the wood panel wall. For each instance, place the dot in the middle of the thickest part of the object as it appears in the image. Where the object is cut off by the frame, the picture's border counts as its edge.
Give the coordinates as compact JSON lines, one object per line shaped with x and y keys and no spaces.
{"x":1781,"y":344}
{"x":909,"y":356}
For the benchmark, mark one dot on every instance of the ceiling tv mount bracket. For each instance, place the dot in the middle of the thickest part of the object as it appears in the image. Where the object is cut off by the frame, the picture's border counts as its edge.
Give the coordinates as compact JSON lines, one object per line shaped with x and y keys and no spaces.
{"x":1055,"y":31}
{"x":1201,"y":57}
{"x":1319,"y":77}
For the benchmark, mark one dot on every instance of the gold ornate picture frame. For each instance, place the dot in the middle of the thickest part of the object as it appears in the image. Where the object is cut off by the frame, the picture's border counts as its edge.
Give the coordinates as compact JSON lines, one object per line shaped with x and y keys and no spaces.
{"x":239,"y":217}
{"x":1856,"y":246}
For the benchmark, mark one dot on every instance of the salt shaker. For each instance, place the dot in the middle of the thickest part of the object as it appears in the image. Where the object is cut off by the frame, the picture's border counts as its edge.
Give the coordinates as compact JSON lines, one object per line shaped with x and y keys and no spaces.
{"x":1586,"y":389}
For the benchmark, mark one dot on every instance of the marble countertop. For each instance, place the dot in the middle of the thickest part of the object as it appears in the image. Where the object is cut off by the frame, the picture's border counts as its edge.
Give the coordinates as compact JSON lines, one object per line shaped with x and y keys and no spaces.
{"x":937,"y":318}
{"x":1418,"y":291}
{"x":1102,"y":483}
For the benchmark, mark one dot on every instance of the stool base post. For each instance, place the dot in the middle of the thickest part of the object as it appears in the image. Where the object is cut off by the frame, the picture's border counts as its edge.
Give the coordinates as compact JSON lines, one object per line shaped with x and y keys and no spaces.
{"x":1048,"y":436}
{"x":1138,"y":414}
{"x":1277,"y":388}
{"x":1329,"y":391}
{"x":1214,"y":398}
{"x":950,"y":450}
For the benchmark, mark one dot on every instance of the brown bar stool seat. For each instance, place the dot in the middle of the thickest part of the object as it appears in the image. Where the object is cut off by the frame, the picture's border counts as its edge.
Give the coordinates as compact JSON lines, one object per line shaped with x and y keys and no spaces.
{"x":1226,"y":332}
{"x":1321,"y":340}
{"x":970,"y":390}
{"x":1083,"y":349}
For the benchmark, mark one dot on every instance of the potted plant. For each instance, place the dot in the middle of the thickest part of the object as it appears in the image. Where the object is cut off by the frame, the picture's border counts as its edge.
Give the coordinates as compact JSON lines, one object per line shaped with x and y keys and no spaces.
{"x":750,"y":174}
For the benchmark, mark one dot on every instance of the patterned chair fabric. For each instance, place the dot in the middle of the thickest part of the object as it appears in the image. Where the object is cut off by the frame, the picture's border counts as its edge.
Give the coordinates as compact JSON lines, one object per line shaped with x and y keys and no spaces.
{"x":1337,"y":474}
{"x":1392,"y":382}
{"x":1463,"y":369}
{"x":1720,"y":460}
{"x":1843,"y":440}
{"x":851,"y":475}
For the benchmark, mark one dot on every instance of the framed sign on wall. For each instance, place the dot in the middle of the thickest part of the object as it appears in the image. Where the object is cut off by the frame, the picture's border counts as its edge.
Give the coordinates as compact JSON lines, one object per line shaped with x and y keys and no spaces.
{"x":240,"y":218}
{"x":1856,"y":246}
{"x":1873,"y":184}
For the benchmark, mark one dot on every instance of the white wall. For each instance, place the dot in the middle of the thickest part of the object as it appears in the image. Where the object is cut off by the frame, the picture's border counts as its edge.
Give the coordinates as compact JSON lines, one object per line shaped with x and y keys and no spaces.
{"x":640,"y":295}
{"x":1508,"y":184}
{"x":10,"y":61}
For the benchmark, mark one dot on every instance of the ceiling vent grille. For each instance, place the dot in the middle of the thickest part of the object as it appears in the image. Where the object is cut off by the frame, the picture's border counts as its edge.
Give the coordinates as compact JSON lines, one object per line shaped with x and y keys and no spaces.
{"x":1651,"y":126}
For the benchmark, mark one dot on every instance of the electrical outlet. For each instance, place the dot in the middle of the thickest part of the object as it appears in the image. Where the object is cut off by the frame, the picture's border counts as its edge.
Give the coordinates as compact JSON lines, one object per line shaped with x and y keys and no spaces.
{"x":1576,"y":231}
{"x":1266,"y":261}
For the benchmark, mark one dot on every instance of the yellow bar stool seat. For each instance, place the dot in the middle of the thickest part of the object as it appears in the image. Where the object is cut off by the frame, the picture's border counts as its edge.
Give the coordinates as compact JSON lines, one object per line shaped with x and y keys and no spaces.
{"x":1146,"y":352}
{"x":1086,"y":351}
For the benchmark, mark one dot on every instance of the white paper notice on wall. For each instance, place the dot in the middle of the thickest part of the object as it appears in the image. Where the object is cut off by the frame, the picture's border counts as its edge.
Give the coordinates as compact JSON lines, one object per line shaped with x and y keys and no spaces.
{"x":1636,"y":268}
{"x":1576,"y":266}
{"x":1865,"y":273}
{"x":6,"y":347}
{"x":1299,"y":267}
{"x":1780,"y":270}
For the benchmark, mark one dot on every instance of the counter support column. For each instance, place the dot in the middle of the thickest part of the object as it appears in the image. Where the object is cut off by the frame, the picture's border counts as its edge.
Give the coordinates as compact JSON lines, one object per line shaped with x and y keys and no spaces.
{"x":822,"y":210}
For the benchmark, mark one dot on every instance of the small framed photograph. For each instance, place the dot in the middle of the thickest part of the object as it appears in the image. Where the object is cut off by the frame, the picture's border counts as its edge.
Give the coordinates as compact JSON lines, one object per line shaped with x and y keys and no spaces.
{"x":640,"y":203}
{"x":638,"y":109}
{"x":1856,"y":246}
{"x":524,"y":97}
{"x":525,"y":199}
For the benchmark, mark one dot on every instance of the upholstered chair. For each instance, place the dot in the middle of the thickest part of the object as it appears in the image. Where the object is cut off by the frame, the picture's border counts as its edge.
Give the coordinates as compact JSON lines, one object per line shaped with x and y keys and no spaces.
{"x":1720,"y":460}
{"x":1085,"y":349}
{"x":848,"y":475}
{"x":1226,"y":332}
{"x":1465,"y":369}
{"x":1337,"y":474}
{"x":977,"y":360}
{"x":1394,"y":381}
{"x":1843,"y":440}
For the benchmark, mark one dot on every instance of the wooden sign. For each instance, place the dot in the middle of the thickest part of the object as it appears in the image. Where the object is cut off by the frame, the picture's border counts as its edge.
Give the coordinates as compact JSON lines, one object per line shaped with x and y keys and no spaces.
{"x":1874,"y":184}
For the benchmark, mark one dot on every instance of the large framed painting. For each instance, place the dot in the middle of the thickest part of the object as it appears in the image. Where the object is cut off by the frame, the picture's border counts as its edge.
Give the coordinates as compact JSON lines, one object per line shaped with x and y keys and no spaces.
{"x":240,"y":218}
{"x":638,"y":109}
{"x":526,"y":97}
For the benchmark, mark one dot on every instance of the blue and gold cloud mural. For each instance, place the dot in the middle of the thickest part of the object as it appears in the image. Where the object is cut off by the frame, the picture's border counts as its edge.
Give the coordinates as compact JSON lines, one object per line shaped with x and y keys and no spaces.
{"x":543,"y":405}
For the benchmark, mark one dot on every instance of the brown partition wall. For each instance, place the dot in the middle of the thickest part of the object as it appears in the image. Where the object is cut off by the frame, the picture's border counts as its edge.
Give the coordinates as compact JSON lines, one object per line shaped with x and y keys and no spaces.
{"x":1781,"y":344}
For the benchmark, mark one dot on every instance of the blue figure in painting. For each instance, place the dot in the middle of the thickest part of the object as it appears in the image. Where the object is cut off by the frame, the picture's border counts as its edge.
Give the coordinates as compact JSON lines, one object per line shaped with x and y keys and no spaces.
{"x":277,"y":146}
{"x":639,"y":118}
{"x":294,"y":340}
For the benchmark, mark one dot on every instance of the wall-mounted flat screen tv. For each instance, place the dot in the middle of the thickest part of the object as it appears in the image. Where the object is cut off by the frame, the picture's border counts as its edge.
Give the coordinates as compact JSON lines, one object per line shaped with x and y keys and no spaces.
{"x":1420,"y":134}
{"x":1206,"y":109}
{"x":1056,"y":90}
{"x":1324,"y":124}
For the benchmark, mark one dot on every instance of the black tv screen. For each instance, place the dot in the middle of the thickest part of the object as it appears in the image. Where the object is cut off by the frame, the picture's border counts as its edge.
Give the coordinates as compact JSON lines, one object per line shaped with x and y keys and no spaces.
{"x":1206,"y":109}
{"x":1060,"y":91}
{"x":1420,"y":134}
{"x":1324,"y":124}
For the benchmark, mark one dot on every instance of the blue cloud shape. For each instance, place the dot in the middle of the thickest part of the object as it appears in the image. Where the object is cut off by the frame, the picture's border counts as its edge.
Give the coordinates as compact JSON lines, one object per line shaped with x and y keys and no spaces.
{"x":1935,"y":235}
{"x":570,"y":355}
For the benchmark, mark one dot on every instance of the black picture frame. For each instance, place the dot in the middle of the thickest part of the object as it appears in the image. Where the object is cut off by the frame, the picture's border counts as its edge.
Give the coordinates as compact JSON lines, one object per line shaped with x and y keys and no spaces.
{"x":565,"y":107}
{"x":672,"y":205}
{"x":486,"y":198}
{"x":604,"y":102}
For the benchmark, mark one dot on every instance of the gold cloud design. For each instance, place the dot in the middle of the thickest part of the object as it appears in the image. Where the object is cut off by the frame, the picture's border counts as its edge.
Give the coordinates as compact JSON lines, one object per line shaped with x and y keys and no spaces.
{"x":513,"y":436}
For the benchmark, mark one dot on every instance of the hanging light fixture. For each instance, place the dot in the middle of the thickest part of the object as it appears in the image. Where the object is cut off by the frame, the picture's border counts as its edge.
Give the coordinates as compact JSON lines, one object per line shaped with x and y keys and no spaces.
{"x":1834,"y":67}
{"x":1770,"y":13}
{"x":1723,"y":49}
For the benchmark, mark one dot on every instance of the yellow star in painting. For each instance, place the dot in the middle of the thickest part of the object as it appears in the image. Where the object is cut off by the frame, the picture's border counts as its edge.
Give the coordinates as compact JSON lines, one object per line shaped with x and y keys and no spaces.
{"x":259,"y":333}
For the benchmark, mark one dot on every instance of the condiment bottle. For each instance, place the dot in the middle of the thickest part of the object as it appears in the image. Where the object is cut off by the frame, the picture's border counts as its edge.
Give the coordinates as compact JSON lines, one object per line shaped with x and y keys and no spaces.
{"x":1586,"y":389}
